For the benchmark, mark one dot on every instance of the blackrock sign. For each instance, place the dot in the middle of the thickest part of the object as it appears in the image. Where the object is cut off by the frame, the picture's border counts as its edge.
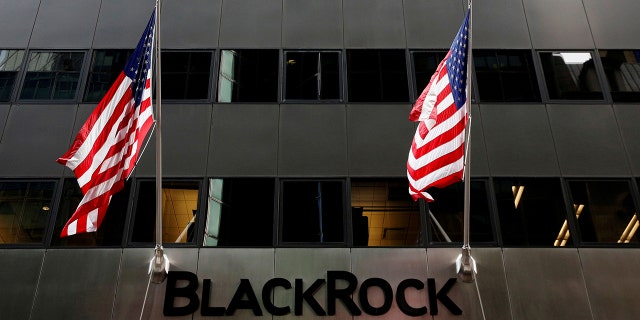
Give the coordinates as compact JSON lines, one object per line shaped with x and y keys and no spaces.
{"x":245,"y":296}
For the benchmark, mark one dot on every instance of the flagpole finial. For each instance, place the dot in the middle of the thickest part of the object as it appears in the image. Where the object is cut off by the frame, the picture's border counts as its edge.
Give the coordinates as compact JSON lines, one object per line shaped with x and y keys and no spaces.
{"x":159,"y":265}
{"x":466,"y":265}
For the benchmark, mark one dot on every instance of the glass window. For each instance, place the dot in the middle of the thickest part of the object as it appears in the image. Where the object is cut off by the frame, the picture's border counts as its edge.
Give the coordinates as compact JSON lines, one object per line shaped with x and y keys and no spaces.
{"x":185,"y":75}
{"x":622,"y":68}
{"x":106,"y":65}
{"x":312,"y":75}
{"x":111,"y":229}
{"x":571,"y":76}
{"x":24,"y":210}
{"x":248,"y":76}
{"x":10,"y":63}
{"x":446,"y":214}
{"x":52,"y":75}
{"x":232,"y":220}
{"x":312,"y":212}
{"x":505,"y":76}
{"x":425,"y":64}
{"x":383,"y":214}
{"x":532,"y":211}
{"x":179,"y":211}
{"x":605,"y":211}
{"x":377,"y":76}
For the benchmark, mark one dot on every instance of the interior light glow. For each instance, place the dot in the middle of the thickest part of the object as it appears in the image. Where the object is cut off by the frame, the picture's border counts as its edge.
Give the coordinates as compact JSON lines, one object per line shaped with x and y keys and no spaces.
{"x":564,"y":234}
{"x":517,"y":194}
{"x":630,"y":230}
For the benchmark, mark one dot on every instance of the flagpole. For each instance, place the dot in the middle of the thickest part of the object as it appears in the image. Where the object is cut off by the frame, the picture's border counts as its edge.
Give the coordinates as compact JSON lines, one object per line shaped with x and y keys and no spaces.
{"x":160,"y":262}
{"x":465,"y":264}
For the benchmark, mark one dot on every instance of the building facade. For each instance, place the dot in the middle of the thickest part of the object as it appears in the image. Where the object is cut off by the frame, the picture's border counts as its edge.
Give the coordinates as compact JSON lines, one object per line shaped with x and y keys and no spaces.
{"x":285,"y":140}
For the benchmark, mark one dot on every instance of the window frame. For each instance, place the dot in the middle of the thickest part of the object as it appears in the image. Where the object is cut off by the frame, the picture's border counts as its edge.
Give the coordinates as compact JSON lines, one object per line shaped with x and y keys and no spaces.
{"x":575,"y":224}
{"x":544,"y":87}
{"x":346,"y":216}
{"x":16,"y":86}
{"x":210,"y":86}
{"x":49,"y":221}
{"x":82,"y":77}
{"x":533,"y":76}
{"x":218,"y":74}
{"x":90,"y":72}
{"x":130,"y":226}
{"x":340,"y":73}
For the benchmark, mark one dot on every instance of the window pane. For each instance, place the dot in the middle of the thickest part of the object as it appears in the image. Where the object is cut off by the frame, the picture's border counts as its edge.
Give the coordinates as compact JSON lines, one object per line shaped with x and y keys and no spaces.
{"x":446,"y":214}
{"x":248,"y":76}
{"x":313,"y":211}
{"x":234,"y":221}
{"x":24,"y":211}
{"x":105,"y":68}
{"x":571,"y":76}
{"x":605,"y":211}
{"x":424,"y":65}
{"x":312,"y":75}
{"x":179,"y":211}
{"x":383,"y":214}
{"x":532,"y":212}
{"x":505,"y":75}
{"x":10,"y":63}
{"x":185,"y":75}
{"x":52,"y":75}
{"x":110,"y":231}
{"x":622,"y":68}
{"x":377,"y":76}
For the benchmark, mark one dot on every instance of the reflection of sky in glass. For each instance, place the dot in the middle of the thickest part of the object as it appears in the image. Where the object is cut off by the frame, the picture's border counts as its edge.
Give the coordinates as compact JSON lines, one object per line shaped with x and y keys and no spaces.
{"x":574,"y":57}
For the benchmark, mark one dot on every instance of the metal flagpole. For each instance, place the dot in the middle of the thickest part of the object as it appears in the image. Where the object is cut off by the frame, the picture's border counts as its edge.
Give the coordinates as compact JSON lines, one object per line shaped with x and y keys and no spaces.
{"x":160,"y":263}
{"x":465,"y":264}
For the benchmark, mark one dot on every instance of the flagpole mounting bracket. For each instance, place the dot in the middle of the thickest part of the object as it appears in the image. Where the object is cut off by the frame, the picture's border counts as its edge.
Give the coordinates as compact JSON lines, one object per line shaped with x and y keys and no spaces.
{"x":466,"y":265}
{"x":159,"y":265}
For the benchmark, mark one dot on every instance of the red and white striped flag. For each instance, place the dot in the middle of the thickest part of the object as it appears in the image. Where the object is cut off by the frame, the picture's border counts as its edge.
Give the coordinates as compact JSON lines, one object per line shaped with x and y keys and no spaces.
{"x":436,"y":158}
{"x":107,"y":147}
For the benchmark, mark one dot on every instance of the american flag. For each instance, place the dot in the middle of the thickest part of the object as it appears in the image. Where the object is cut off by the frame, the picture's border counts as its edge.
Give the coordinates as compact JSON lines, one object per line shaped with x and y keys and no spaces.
{"x":106,"y":149}
{"x":436,"y":158}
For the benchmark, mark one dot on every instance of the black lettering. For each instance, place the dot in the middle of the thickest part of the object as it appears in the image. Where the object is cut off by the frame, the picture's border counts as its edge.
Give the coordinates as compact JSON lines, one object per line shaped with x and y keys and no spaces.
{"x":189,"y":292}
{"x":307,"y":296}
{"x":207,"y":310}
{"x":401,"y":298}
{"x":363,"y":296}
{"x":343,"y":295}
{"x":244,"y":289}
{"x":442,"y":296}
{"x":267,"y":291}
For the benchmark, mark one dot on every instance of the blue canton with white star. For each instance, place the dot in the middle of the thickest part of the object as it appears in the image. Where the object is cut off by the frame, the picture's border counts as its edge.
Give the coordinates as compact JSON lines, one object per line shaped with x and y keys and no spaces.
{"x":139,"y":64}
{"x":457,"y":64}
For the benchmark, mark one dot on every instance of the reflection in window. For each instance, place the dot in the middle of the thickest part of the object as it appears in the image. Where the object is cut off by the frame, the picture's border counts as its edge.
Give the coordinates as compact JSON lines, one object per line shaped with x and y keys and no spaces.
{"x":425,"y":64}
{"x":185,"y":75}
{"x":106,"y":65}
{"x":10,"y":63}
{"x":532,"y":211}
{"x":622,"y":68}
{"x":179,"y":211}
{"x":312,"y":211}
{"x":571,"y":76}
{"x":110,"y":231}
{"x":232,"y":220}
{"x":312,"y":75}
{"x":248,"y":76}
{"x":383,"y":214}
{"x":446,"y":214}
{"x":377,"y":76}
{"x":506,"y":76}
{"x":605,"y":211}
{"x":24,"y":211}
{"x":52,"y":75}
